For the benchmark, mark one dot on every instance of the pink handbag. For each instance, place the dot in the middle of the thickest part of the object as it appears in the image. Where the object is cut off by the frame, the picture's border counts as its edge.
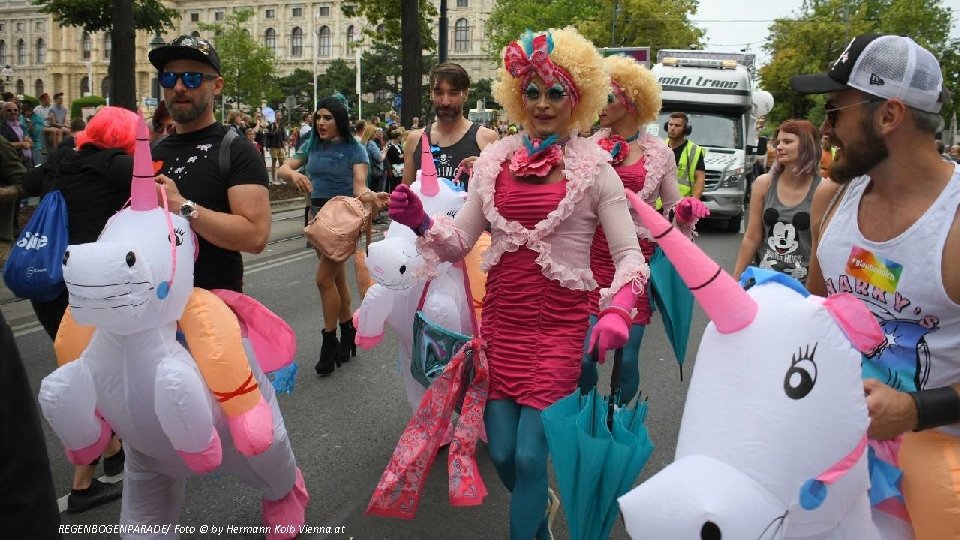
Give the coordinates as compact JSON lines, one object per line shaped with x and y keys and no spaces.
{"x":335,"y":230}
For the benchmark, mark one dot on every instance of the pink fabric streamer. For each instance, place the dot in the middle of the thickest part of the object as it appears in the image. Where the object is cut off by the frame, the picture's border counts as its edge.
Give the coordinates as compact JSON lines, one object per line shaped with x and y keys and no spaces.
{"x":398,"y":492}
{"x":273,"y":341}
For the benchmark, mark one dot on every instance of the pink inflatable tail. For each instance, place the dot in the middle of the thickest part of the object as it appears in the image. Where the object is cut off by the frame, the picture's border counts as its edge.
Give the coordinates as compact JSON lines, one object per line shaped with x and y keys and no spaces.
{"x":429,"y":185}
{"x":729,"y":307}
{"x":143,"y":190}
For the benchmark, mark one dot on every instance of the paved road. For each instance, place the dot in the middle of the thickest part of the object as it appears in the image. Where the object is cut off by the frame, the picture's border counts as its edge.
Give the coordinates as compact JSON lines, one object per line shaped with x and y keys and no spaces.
{"x":344,"y":427}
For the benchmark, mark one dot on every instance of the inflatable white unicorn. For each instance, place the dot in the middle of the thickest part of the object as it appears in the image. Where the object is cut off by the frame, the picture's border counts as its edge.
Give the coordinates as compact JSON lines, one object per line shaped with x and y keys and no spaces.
{"x":136,"y":379}
{"x":396,"y":268}
{"x":773,"y":437}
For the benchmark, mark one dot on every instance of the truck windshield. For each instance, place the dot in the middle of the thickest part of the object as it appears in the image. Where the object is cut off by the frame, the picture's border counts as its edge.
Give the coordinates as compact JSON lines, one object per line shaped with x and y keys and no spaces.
{"x":713,"y":130}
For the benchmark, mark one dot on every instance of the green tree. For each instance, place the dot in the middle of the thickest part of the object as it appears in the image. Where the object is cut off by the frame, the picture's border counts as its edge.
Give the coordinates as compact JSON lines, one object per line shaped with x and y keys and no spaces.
{"x":121,"y":19}
{"x":407,"y":23}
{"x":297,"y":84}
{"x":339,"y":77}
{"x":811,"y":42}
{"x":246,"y":64}
{"x":620,"y":23}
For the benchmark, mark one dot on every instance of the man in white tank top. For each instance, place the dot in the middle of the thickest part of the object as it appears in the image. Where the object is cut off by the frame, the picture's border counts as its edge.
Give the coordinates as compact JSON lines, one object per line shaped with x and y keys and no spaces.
{"x":887,"y":231}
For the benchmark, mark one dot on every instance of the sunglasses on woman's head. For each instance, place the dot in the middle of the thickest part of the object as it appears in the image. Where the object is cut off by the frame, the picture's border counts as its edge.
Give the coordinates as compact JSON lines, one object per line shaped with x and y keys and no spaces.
{"x":554,"y":93}
{"x":191,"y":79}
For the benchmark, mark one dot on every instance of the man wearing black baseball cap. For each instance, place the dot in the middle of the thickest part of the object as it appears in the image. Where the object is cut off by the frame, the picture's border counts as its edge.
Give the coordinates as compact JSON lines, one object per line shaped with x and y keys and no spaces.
{"x":887,"y":231}
{"x":222,"y":193}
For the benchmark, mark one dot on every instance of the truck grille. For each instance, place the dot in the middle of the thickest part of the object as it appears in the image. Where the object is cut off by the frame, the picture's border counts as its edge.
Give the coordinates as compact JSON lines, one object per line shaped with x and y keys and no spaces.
{"x":711,"y":180}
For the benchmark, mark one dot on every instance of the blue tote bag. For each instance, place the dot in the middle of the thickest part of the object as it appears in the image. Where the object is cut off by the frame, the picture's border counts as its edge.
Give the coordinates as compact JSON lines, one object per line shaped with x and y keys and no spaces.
{"x":34,"y":268}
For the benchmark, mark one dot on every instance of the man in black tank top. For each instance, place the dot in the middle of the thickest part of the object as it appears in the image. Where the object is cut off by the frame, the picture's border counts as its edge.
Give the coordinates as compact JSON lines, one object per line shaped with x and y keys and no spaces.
{"x":452,"y":137}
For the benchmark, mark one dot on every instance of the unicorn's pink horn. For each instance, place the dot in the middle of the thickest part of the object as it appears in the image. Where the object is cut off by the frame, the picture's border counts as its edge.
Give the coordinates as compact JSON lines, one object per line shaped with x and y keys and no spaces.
{"x":143,"y":190}
{"x":729,"y":307}
{"x":429,"y":185}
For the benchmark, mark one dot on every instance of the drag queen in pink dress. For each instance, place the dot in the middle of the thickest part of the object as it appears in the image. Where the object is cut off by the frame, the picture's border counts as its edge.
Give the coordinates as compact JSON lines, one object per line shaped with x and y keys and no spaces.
{"x":646,"y":166}
{"x":542,"y":192}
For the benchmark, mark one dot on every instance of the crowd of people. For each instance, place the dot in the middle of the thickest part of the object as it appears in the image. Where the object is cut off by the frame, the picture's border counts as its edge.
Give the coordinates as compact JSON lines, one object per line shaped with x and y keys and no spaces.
{"x":866,"y":204}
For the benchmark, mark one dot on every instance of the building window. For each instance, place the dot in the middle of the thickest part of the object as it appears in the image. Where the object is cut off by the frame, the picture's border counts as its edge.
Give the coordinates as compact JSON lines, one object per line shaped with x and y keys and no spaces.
{"x":271,"y":38}
{"x":324,"y":12}
{"x":3,"y":27}
{"x":19,"y":27}
{"x":38,"y":87}
{"x":41,"y":53}
{"x":3,"y":52}
{"x":461,"y":35}
{"x":194,"y":17}
{"x":351,"y":38}
{"x":84,"y":85}
{"x":86,"y":45}
{"x":39,"y":26}
{"x":21,"y":52}
{"x":270,"y":14}
{"x":296,"y":42}
{"x":20,"y":86}
{"x":462,"y":3}
{"x":107,"y":45}
{"x":218,"y":15}
{"x":324,"y":41}
{"x":298,"y":12}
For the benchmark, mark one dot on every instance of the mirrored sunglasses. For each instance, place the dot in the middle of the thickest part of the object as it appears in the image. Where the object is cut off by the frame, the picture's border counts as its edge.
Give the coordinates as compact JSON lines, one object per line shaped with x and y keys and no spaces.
{"x":191,"y":79}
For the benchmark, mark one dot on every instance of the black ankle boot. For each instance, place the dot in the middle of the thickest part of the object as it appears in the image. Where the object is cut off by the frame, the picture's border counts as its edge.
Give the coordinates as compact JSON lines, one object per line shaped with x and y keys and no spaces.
{"x":348,"y":341}
{"x":329,"y":353}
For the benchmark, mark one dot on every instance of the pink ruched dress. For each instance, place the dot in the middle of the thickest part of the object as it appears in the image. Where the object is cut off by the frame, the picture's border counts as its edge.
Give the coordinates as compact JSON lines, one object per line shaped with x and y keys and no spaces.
{"x":534,"y":327}
{"x":601,"y":263}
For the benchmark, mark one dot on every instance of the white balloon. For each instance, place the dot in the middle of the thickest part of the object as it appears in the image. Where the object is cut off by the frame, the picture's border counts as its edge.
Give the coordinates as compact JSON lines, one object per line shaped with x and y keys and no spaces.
{"x":763,"y":101}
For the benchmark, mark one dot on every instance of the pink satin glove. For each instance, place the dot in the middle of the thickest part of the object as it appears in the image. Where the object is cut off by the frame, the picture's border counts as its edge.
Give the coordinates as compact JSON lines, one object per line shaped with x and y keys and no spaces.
{"x":612,"y":330}
{"x":406,"y":209}
{"x":690,"y":209}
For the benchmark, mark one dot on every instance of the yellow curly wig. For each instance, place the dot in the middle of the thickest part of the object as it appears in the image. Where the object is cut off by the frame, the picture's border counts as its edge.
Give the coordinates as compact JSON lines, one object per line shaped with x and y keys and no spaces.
{"x":638,"y":84}
{"x":582,"y":61}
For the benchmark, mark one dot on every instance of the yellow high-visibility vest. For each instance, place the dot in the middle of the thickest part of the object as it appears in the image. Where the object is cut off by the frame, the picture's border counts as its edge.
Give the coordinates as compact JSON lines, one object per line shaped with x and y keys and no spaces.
{"x":687,"y":166}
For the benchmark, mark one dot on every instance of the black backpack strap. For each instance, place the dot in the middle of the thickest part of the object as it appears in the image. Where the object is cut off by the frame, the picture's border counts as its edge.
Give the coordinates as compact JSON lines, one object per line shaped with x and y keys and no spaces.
{"x":223,"y":159}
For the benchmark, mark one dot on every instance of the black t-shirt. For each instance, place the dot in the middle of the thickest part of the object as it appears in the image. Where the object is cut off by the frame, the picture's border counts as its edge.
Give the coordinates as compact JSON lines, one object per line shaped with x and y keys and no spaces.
{"x":94,"y":182}
{"x":190,"y":159}
{"x":678,"y":151}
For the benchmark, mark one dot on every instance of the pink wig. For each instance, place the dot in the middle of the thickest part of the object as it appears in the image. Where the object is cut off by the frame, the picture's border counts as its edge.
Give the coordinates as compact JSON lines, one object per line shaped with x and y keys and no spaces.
{"x":112,"y":127}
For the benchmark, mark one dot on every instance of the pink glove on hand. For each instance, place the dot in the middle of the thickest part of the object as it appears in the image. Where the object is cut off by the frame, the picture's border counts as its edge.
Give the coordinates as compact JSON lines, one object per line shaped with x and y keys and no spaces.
{"x":690,"y":209}
{"x":406,"y":209}
{"x":612,"y":331}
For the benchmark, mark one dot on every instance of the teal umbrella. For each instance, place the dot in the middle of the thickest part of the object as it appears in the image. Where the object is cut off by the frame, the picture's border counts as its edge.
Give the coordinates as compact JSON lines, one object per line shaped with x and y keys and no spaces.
{"x":674,"y":301}
{"x":597,"y":452}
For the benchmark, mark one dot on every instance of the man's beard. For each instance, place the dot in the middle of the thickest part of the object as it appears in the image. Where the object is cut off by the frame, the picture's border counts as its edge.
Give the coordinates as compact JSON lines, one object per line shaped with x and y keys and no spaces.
{"x":858,"y":158}
{"x":185,"y":116}
{"x":449,"y":113}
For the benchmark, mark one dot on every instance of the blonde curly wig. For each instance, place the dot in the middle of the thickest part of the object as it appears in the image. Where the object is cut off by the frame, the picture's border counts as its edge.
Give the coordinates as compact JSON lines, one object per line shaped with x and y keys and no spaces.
{"x":638,"y":84}
{"x":582,"y":61}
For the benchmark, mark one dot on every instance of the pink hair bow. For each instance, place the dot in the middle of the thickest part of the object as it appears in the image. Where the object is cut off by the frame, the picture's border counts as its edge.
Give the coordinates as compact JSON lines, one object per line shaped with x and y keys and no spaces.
{"x":530,"y":56}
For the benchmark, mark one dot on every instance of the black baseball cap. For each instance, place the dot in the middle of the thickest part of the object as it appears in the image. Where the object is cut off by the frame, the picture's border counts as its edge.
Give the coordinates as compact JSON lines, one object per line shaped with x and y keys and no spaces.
{"x":186,"y":48}
{"x":886,"y":66}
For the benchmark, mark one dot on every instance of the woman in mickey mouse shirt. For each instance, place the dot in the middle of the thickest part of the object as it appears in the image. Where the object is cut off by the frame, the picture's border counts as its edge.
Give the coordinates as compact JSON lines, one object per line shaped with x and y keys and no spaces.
{"x":778,"y":228}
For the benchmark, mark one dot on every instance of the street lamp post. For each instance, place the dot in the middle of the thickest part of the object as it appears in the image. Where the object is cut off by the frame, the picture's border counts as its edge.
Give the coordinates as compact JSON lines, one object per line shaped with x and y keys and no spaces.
{"x":156,"y":42}
{"x":357,"y":39}
{"x":316,"y":52}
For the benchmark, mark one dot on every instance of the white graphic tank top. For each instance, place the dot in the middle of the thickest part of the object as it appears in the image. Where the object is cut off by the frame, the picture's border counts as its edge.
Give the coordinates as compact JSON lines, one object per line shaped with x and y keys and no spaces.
{"x":900,"y":281}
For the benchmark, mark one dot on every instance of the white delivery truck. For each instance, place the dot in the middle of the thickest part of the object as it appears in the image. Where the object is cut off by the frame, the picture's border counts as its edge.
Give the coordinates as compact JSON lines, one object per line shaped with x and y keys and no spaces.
{"x":715,"y":90}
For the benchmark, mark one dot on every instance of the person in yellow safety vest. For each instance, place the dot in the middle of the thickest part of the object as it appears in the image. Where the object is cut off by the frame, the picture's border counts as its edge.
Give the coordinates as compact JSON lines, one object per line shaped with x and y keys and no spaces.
{"x":691,"y":171}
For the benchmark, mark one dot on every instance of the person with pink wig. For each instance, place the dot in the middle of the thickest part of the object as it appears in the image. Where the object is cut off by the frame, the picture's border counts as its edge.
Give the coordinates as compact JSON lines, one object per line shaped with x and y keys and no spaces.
{"x":95,"y":182}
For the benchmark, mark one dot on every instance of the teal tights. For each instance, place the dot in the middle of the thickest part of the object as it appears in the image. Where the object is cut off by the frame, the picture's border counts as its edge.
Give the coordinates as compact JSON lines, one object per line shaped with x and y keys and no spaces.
{"x":518,"y":448}
{"x":629,"y":366}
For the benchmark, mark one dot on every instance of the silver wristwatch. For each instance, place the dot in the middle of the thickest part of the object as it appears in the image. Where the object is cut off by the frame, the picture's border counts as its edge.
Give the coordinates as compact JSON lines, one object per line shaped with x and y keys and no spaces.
{"x":188,"y":210}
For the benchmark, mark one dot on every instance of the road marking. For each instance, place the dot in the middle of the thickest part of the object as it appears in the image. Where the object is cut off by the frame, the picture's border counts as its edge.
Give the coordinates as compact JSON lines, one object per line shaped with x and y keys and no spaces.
{"x":280,"y":261}
{"x":26,"y":329}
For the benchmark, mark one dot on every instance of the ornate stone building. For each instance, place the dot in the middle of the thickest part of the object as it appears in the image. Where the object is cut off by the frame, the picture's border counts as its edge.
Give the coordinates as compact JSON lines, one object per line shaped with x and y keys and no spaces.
{"x":37,"y":55}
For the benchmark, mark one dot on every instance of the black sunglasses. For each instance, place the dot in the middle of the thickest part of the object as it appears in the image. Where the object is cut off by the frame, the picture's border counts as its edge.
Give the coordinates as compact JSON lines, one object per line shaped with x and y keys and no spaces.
{"x":191,"y":79}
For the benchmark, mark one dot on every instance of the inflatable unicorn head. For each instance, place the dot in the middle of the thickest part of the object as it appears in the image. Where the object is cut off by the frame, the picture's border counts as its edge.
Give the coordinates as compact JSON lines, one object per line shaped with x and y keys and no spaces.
{"x":139,"y":274}
{"x":773,"y":437}
{"x":393,"y":262}
{"x":439,"y":195}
